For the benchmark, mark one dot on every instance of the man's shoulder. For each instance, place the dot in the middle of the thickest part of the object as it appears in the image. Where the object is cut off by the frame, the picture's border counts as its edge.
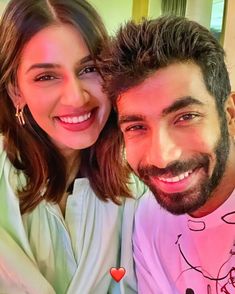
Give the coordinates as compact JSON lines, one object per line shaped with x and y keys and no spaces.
{"x":148,"y":204}
{"x":151,"y":217}
{"x":148,"y":212}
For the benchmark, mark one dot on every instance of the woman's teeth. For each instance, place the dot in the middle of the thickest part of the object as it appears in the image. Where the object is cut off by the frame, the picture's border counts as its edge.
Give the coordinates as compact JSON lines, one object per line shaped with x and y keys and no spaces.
{"x":75,"y":119}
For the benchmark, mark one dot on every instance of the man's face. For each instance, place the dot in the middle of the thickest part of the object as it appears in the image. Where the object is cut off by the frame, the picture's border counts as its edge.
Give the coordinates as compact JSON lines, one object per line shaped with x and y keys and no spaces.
{"x":174,"y":139}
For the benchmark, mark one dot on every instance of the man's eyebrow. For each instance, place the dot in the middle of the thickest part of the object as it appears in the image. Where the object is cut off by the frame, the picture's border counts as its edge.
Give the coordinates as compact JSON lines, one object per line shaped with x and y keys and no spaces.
{"x":130,"y":118}
{"x":181,"y":103}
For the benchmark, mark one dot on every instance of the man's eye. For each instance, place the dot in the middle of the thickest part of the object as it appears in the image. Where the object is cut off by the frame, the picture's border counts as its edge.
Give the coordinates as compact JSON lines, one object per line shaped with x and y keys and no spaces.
{"x":134,"y":128}
{"x":46,"y":77}
{"x":87,"y":70}
{"x":187,"y":117}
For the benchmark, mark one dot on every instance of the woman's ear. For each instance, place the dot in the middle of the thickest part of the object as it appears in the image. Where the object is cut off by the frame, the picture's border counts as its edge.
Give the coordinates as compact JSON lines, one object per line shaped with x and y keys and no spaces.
{"x":14,"y":94}
{"x":230,"y":113}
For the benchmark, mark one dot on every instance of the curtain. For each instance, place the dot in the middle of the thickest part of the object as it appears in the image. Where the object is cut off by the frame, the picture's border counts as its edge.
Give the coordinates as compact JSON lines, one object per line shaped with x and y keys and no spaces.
{"x":176,"y":7}
{"x":139,"y":9}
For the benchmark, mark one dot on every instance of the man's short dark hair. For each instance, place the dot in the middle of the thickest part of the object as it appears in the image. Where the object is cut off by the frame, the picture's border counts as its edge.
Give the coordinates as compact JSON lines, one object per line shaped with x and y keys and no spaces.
{"x":138,"y":50}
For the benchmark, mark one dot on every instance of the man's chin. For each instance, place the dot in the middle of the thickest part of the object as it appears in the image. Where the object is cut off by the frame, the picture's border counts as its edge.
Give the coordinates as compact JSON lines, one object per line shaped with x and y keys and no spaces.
{"x":180,"y":203}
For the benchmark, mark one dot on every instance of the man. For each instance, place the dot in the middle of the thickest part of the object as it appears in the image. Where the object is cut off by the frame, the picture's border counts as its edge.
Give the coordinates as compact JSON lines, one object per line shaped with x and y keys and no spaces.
{"x":169,"y":83}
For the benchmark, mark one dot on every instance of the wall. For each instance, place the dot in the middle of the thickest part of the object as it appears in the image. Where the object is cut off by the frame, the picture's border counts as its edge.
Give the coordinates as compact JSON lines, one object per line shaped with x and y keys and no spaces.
{"x":200,"y":11}
{"x":154,"y":8}
{"x":113,"y":12}
{"x":3,"y":4}
{"x":229,"y":40}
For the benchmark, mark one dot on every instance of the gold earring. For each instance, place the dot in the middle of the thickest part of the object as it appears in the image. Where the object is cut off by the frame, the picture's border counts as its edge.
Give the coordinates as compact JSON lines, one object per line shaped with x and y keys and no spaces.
{"x":20,"y":115}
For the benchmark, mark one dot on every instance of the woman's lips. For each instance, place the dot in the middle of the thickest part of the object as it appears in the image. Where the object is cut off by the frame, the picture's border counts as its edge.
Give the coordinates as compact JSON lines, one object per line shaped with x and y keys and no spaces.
{"x":76,"y":123}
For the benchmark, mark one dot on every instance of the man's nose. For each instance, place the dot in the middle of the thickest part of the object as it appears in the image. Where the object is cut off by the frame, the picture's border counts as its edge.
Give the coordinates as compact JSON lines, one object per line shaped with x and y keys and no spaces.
{"x":163,"y":149}
{"x":75,"y":93}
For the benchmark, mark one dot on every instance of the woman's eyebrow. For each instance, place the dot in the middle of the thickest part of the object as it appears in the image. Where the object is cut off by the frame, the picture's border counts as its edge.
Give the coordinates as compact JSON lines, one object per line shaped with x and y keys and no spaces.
{"x":43,"y":65}
{"x":49,"y":65}
{"x":85,"y":59}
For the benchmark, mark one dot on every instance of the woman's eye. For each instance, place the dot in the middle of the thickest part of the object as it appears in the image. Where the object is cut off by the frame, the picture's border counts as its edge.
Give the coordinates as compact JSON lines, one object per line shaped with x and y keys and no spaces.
{"x":46,"y":77}
{"x":87,"y":70}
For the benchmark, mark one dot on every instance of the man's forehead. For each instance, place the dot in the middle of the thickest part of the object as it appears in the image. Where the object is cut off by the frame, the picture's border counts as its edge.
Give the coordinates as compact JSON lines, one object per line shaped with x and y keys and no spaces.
{"x":164,"y":87}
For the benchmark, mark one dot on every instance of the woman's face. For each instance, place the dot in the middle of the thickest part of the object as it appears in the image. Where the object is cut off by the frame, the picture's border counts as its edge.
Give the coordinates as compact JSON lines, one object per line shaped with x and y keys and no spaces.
{"x":59,"y":82}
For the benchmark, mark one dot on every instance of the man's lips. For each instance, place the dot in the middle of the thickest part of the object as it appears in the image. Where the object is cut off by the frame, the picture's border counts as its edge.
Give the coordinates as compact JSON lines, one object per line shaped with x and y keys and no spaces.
{"x":179,"y":183}
{"x":175,"y":179}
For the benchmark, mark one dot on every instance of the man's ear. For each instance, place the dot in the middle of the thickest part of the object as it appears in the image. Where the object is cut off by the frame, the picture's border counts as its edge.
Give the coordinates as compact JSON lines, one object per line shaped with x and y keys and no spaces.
{"x":14,"y":94}
{"x":230,"y":113}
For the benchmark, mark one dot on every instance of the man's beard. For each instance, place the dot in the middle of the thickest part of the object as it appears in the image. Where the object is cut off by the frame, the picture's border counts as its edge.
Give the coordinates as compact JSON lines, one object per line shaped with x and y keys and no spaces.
{"x":194,"y":198}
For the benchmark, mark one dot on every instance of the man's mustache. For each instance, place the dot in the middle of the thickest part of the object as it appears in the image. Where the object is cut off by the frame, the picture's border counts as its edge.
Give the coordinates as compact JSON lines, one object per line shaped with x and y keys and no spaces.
{"x":175,"y":168}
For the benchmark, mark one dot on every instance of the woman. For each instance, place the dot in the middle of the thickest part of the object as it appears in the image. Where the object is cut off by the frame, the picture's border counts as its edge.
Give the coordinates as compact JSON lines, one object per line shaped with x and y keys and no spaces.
{"x":58,"y":212}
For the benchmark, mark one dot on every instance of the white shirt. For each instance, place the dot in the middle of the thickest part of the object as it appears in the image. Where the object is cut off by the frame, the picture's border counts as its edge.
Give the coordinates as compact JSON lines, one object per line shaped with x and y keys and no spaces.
{"x":43,"y":253}
{"x":181,"y":254}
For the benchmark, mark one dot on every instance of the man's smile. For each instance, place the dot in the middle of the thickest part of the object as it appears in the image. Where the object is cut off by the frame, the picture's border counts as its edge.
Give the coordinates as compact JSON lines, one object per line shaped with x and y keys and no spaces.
{"x":180,"y":183}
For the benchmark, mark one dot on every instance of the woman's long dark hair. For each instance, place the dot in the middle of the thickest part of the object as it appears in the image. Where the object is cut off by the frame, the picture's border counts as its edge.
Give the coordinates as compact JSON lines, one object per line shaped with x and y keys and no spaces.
{"x":29,"y":148}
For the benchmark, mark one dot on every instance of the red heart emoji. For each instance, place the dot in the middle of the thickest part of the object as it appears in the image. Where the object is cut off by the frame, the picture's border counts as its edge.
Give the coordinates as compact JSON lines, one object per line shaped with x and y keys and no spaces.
{"x":117,"y":273}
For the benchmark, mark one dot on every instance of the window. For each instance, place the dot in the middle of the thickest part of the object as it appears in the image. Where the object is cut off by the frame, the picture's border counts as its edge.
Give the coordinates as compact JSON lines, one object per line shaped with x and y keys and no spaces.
{"x":217,"y":13}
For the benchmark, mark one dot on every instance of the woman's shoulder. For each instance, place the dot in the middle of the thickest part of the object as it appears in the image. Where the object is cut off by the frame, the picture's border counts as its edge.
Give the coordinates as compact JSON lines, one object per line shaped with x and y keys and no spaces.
{"x":1,"y":143}
{"x":3,"y":154}
{"x":8,"y":173}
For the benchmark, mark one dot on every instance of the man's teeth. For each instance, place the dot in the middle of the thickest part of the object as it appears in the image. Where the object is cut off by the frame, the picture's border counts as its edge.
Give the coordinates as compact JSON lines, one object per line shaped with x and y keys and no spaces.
{"x":75,"y":119}
{"x":177,"y":178}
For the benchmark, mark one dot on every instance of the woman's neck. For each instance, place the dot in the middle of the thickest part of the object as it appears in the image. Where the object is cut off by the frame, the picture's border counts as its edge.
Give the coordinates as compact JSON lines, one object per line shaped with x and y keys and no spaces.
{"x":72,"y":167}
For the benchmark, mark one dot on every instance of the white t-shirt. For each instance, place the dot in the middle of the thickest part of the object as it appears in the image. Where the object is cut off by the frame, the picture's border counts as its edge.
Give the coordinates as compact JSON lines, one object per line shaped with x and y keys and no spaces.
{"x":181,"y":254}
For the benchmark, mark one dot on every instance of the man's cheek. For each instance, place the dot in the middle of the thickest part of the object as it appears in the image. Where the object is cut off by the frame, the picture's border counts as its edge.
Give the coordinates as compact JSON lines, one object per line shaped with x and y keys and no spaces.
{"x":131,"y":156}
{"x":134,"y":157}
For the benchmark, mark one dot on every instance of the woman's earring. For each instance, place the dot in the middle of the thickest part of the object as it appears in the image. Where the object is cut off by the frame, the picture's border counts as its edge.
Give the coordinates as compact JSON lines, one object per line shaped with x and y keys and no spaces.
{"x":20,"y":115}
